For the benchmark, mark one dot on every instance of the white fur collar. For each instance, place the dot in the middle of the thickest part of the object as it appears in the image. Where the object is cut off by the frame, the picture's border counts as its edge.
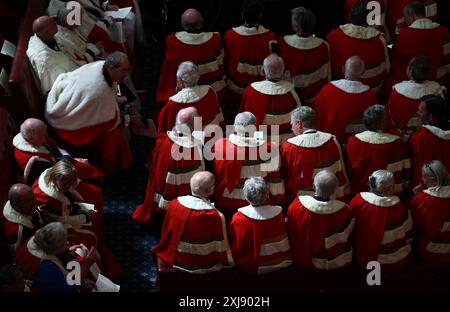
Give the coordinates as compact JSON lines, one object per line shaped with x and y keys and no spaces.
{"x":196,"y":203}
{"x":319,"y":207}
{"x":438,"y":191}
{"x":359,"y":32}
{"x":36,"y":251}
{"x":184,"y":141}
{"x":380,"y":201}
{"x":261,"y":213}
{"x":190,"y":95}
{"x":424,"y":23}
{"x":23,"y":145}
{"x":373,"y":137}
{"x":14,"y":216}
{"x":194,"y":39}
{"x":444,"y":135}
{"x":241,"y":141}
{"x":53,"y":192}
{"x":350,"y":86}
{"x":250,"y":31}
{"x":311,"y":140}
{"x":416,"y":91}
{"x":301,"y":43}
{"x":273,"y":88}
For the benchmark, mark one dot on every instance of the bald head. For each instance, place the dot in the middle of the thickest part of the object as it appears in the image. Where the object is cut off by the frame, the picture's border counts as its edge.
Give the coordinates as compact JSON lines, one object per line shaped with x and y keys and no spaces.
{"x":273,"y":67}
{"x":185,"y":120}
{"x":191,"y":20}
{"x":21,"y":198}
{"x":202,"y":184}
{"x":34,"y":131}
{"x":354,"y":68}
{"x":45,"y":28}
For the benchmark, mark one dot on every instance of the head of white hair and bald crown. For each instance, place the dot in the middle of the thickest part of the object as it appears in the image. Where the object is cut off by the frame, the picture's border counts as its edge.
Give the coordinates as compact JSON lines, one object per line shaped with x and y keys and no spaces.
{"x":202,"y":184}
{"x":256,"y":191}
{"x":34,"y":131}
{"x":382,"y":183}
{"x":187,"y":75}
{"x":325,"y":185}
{"x":354,"y":68}
{"x":245,"y":124}
{"x":185,"y":121}
{"x":273,"y":67}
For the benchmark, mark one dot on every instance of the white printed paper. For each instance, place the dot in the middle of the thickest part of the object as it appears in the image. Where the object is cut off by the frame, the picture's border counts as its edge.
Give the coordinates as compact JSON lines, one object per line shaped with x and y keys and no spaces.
{"x":8,"y":48}
{"x":119,"y":14}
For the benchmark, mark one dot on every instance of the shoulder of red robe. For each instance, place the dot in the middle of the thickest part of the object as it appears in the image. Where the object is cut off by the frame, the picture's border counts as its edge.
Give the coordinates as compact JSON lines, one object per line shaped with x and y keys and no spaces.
{"x":359,"y":32}
{"x":195,"y":203}
{"x":303,"y":43}
{"x":23,"y":145}
{"x":319,"y":207}
{"x":268,"y":87}
{"x":190,"y":95}
{"x":241,"y":141}
{"x":14,"y":216}
{"x":350,"y":86}
{"x":444,"y":135}
{"x":261,"y":213}
{"x":311,"y":140}
{"x":184,"y":141}
{"x":424,"y":23}
{"x":250,"y":31}
{"x":438,"y":191}
{"x":416,"y":91}
{"x":194,"y":39}
{"x":373,"y":137}
{"x":380,"y":201}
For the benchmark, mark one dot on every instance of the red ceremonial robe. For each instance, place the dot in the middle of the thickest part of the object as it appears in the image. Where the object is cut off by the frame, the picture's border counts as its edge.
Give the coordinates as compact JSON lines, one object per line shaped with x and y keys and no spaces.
{"x":370,"y":151}
{"x":204,"y":49}
{"x":272,"y":104}
{"x":17,"y":227}
{"x":426,"y":144}
{"x":367,"y":43}
{"x":303,"y":156}
{"x":340,"y":106}
{"x":259,"y":240}
{"x":245,"y":50}
{"x":175,"y":160}
{"x":203,"y":98}
{"x":431,"y":214}
{"x":235,"y":160}
{"x":194,"y":237}
{"x":319,"y":233}
{"x":404,"y":103}
{"x":383,"y":230}
{"x":308,"y":61}
{"x":26,"y":154}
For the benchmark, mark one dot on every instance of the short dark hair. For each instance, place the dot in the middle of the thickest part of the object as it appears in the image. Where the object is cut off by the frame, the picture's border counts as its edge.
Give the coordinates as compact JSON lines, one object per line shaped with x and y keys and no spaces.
{"x":305,"y":19}
{"x":420,"y":67}
{"x":359,"y":13}
{"x":416,"y":8}
{"x":252,"y":11}
{"x":373,"y":116}
{"x":437,"y":107}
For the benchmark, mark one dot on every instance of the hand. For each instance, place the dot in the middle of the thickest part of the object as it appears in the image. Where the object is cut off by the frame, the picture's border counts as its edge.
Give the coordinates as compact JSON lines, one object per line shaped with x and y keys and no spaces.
{"x":112,"y":7}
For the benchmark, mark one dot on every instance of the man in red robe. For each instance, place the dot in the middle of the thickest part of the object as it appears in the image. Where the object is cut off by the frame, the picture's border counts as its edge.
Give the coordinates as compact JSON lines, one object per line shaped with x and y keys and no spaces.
{"x":361,"y":40}
{"x":307,"y":57}
{"x":383,"y":229}
{"x":201,"y":48}
{"x":309,"y":152}
{"x":432,"y":141}
{"x":246,"y":47}
{"x":176,"y":158}
{"x":83,"y":109}
{"x":314,"y":223}
{"x":239,"y":157}
{"x":202,"y":97}
{"x":418,"y":36}
{"x":373,"y":150}
{"x":340,"y":104}
{"x":406,"y":96}
{"x":272,"y":100}
{"x":380,"y":24}
{"x":35,"y":151}
{"x":194,"y":237}
{"x":258,"y":237}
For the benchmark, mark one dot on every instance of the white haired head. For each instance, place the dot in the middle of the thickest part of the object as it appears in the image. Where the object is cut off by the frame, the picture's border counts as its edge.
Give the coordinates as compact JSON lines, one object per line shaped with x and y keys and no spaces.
{"x":188,"y":74}
{"x":245,"y":124}
{"x":381,"y":183}
{"x":273,"y":66}
{"x":255,"y":191}
{"x":325,"y":184}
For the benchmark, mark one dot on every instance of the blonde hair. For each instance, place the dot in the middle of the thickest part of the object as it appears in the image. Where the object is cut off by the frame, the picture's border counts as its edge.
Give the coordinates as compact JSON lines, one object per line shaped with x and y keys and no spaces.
{"x":59,"y":170}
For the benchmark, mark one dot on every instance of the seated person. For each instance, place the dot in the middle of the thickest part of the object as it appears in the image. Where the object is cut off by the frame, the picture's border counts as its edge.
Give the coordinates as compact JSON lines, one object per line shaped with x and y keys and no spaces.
{"x":430,"y":210}
{"x":194,"y":237}
{"x":258,"y":237}
{"x":383,"y":229}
